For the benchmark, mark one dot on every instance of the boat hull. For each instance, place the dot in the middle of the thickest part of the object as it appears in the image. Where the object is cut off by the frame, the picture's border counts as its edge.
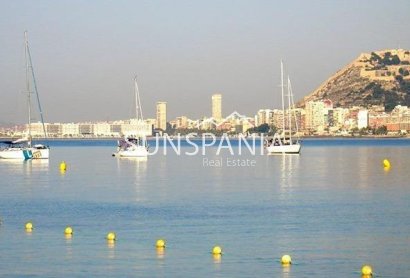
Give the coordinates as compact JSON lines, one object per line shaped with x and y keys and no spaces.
{"x":16,"y":153}
{"x":284,"y":149}
{"x":139,"y":151}
{"x":24,"y":153}
{"x":43,"y":153}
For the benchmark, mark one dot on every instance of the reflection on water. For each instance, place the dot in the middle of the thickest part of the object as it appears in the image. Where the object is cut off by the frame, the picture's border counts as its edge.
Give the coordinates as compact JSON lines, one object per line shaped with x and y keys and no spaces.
{"x":24,"y":176}
{"x":69,"y":247}
{"x":286,"y":271}
{"x":40,"y":164}
{"x":25,"y":166}
{"x":160,"y":252}
{"x":363,"y":167}
{"x":136,"y":159}
{"x":111,"y":249}
{"x":289,"y":165}
{"x":217,"y":258}
{"x":140,"y":163}
{"x":135,"y":167}
{"x":217,"y":262}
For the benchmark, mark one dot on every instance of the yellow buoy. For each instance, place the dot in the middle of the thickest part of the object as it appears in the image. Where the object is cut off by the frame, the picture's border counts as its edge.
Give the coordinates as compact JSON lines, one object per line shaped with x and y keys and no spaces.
{"x":286,"y":260}
{"x":68,"y":230}
{"x":217,"y":250}
{"x":29,"y":226}
{"x":63,"y":166}
{"x":160,"y":243}
{"x":111,"y":236}
{"x":367,"y":270}
{"x":386,"y":163}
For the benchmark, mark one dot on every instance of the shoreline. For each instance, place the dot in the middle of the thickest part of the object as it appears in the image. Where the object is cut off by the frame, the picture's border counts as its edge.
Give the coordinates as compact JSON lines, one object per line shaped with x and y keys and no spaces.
{"x":200,"y":138}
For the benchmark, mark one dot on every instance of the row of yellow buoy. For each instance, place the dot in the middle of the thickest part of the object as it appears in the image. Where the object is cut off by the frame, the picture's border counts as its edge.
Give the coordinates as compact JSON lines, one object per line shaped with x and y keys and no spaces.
{"x":286,"y":260}
{"x":386,"y":165}
{"x":160,"y":244}
{"x":29,"y":228}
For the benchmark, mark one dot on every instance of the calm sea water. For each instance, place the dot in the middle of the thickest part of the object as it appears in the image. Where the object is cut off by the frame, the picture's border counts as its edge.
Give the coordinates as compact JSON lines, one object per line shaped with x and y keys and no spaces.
{"x":333,"y":208}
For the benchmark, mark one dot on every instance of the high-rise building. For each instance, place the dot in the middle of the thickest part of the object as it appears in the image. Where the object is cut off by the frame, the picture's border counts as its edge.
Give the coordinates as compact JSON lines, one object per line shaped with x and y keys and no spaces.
{"x":263,"y":116}
{"x":340,"y":116}
{"x":217,"y":107}
{"x":315,"y":115}
{"x":161,"y":115}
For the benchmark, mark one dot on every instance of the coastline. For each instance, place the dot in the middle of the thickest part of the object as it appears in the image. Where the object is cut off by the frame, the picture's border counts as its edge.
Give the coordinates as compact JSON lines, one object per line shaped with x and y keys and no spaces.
{"x":150,"y":138}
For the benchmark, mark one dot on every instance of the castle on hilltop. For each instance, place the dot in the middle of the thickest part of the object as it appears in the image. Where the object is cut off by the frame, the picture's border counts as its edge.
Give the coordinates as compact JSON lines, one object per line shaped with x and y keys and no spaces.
{"x":375,"y":78}
{"x":384,"y":65}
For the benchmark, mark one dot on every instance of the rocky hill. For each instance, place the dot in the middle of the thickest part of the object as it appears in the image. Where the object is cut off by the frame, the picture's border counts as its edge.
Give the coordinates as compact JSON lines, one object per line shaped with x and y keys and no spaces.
{"x":378,"y":78}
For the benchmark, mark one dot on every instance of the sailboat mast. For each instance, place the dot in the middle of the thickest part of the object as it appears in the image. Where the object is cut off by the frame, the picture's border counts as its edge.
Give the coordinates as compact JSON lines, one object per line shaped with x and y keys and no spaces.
{"x":136,"y":98}
{"x":283,"y":101}
{"x":289,"y":113}
{"x":28,"y":86}
{"x":138,"y":108}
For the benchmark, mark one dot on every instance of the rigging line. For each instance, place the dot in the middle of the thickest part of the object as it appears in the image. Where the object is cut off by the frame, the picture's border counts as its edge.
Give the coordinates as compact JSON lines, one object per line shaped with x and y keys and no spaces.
{"x":294,"y":110}
{"x":35,"y":87}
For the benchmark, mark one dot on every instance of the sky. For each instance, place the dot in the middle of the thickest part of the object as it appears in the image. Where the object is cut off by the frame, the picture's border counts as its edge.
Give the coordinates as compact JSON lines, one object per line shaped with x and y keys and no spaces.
{"x":86,"y":53}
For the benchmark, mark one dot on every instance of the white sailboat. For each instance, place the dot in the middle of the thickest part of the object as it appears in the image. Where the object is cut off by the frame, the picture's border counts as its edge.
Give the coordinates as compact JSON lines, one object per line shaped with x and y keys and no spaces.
{"x":286,"y":142}
{"x":23,"y":148}
{"x":134,"y":145}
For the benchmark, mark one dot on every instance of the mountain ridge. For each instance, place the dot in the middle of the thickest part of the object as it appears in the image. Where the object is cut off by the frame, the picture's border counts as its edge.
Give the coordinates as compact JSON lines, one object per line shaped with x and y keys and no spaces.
{"x":376,"y":78}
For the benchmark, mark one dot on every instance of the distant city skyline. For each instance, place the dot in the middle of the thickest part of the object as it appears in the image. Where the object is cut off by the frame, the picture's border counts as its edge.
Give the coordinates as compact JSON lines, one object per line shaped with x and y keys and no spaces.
{"x":317,"y":118}
{"x":85,"y":53}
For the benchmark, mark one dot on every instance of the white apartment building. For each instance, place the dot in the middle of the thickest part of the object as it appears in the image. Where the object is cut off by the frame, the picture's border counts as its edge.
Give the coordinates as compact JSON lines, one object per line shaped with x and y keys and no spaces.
{"x":37,"y":129}
{"x":102,"y":129}
{"x":363,"y":119}
{"x":70,"y":129}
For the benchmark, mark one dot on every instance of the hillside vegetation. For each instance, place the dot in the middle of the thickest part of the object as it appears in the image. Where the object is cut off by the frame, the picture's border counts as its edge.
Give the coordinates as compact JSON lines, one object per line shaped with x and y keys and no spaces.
{"x":376,"y":78}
